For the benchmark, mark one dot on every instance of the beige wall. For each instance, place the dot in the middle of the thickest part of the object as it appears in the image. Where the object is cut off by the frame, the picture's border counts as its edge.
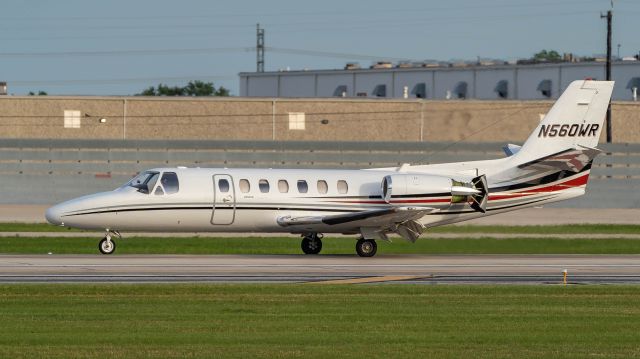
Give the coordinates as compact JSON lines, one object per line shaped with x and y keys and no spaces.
{"x":255,"y":119}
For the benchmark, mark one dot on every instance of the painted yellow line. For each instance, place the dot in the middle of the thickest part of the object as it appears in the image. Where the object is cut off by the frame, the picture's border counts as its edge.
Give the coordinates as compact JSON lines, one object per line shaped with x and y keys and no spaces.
{"x":386,"y":278}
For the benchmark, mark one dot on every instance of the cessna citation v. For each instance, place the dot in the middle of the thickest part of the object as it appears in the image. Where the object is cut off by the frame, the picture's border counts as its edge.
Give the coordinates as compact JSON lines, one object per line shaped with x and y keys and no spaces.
{"x":552,"y":165}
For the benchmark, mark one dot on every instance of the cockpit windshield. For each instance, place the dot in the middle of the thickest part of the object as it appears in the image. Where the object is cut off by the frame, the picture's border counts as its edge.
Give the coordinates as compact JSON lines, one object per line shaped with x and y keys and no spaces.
{"x":145,"y":181}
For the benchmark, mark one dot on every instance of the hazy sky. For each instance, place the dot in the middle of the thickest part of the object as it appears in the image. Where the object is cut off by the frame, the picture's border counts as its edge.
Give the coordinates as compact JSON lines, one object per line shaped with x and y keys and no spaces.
{"x":119,"y":47}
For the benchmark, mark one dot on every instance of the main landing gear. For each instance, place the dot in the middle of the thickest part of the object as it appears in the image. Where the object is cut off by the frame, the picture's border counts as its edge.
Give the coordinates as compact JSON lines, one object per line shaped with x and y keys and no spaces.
{"x":107,"y":245}
{"x":366,"y":247}
{"x":311,"y":243}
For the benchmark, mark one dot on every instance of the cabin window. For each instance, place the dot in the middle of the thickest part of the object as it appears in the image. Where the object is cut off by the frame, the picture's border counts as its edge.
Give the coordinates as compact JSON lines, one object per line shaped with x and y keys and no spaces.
{"x":169,"y":182}
{"x":223,"y":184}
{"x":263,"y":184}
{"x":322,"y":187}
{"x":283,"y":186}
{"x":245,"y":186}
{"x":343,"y":187}
{"x":303,"y":187}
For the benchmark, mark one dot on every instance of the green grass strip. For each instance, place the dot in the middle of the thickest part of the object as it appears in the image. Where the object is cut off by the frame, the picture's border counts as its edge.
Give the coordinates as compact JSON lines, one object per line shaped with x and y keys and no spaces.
{"x":317,"y":321}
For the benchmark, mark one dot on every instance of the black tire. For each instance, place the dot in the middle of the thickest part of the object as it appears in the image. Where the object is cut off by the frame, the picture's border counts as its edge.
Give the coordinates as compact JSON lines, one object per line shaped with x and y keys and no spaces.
{"x":104,"y":248}
{"x":366,"y":247}
{"x":311,"y":245}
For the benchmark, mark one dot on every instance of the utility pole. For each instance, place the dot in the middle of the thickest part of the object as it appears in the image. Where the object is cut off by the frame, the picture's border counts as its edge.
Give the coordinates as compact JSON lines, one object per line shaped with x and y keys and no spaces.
{"x":259,"y":49}
{"x":609,"y":17}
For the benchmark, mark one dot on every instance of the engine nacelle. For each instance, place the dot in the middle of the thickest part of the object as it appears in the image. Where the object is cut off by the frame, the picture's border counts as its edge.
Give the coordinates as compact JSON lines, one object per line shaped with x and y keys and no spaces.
{"x":474,"y":192}
{"x":408,"y":185}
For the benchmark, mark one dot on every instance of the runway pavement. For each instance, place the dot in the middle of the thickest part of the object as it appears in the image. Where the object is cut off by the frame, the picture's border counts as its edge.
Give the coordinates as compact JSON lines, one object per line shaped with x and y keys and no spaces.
{"x":343,"y":269}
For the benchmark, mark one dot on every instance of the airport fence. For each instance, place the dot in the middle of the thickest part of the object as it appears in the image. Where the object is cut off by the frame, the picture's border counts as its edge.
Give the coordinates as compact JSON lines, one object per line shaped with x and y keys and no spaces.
{"x":38,"y":171}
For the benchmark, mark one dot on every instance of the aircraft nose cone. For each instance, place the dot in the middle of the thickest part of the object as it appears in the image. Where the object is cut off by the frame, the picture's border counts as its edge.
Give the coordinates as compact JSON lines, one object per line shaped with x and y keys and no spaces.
{"x":54,"y":215}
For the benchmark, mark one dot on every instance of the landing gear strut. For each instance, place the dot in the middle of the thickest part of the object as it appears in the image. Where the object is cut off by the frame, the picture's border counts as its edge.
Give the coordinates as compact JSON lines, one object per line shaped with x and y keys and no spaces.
{"x":311,"y":243}
{"x":366,"y":247}
{"x":107,"y":245}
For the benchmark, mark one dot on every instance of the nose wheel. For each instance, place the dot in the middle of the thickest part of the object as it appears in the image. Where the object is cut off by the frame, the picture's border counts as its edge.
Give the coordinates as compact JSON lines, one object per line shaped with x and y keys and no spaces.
{"x":107,"y":245}
{"x":366,"y":247}
{"x":311,"y":243}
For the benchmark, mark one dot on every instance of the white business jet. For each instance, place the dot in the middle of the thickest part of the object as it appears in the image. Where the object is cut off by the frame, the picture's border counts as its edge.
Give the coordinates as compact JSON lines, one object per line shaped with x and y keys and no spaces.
{"x":552,"y":165}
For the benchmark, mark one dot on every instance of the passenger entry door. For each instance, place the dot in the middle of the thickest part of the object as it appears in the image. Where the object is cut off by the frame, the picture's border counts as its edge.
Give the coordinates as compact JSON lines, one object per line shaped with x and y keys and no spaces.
{"x":224,"y":200}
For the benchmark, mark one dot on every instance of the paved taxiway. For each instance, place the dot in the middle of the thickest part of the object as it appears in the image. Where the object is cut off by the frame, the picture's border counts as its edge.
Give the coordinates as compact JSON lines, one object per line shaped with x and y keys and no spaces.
{"x":324,"y":268}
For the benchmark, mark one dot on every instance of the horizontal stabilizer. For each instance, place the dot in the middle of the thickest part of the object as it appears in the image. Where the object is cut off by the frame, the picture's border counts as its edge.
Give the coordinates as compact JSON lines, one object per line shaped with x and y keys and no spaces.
{"x":511,"y":149}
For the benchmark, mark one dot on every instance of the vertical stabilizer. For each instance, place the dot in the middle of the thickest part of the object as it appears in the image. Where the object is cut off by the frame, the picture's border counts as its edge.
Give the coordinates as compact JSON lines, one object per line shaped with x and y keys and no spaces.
{"x":575,"y":121}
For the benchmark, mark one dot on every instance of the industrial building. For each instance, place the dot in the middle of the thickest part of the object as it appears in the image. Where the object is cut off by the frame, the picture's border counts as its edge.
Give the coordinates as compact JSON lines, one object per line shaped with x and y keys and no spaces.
{"x":489,"y":82}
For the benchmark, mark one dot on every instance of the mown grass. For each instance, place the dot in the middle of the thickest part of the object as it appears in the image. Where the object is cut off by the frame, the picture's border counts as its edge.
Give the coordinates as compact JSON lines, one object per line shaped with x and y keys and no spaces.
{"x":554,"y":229}
{"x":317,"y":321}
{"x":207,"y":245}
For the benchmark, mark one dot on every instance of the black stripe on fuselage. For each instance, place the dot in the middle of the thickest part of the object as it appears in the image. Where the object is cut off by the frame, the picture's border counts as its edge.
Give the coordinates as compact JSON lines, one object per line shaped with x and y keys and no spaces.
{"x":210,"y":208}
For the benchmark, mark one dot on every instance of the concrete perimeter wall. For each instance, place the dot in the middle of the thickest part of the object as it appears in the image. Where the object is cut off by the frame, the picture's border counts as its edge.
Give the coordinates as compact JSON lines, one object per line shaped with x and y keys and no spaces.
{"x":140,"y":118}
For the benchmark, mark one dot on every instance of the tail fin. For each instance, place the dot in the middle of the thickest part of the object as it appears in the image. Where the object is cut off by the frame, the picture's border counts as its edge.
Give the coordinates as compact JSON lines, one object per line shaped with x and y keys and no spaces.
{"x":574,"y":122}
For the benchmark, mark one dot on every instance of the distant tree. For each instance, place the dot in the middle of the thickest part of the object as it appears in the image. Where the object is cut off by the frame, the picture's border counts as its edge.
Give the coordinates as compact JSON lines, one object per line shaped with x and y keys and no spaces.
{"x":40,"y":93}
{"x":222,"y":91}
{"x":151,"y":91}
{"x":193,"y":88}
{"x":544,"y":55}
{"x":164,"y":90}
{"x":199,"y":88}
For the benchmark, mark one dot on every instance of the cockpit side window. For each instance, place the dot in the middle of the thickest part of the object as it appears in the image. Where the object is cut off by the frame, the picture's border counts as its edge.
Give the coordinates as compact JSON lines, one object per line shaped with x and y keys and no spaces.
{"x":144,"y":182}
{"x":170,"y":183}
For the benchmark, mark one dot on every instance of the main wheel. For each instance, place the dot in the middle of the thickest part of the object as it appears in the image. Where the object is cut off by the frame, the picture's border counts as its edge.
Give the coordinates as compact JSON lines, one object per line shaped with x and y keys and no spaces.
{"x":366,"y":247}
{"x":106,"y":247}
{"x":311,"y":244}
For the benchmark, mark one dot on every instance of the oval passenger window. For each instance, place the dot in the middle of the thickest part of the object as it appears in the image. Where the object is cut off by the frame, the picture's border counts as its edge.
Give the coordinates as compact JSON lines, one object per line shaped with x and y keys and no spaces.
{"x":302,"y":186}
{"x":322,"y":187}
{"x":343,"y":187}
{"x":245,"y":187}
{"x":223,"y":184}
{"x":263,"y":184}
{"x":283,"y":186}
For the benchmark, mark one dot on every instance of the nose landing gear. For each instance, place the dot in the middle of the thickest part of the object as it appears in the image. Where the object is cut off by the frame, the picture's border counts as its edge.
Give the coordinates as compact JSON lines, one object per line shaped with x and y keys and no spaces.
{"x":311,"y":243}
{"x":107,"y":245}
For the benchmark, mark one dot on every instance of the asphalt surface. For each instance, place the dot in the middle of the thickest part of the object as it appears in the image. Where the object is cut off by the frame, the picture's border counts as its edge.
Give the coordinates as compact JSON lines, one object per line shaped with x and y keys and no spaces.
{"x":343,"y":269}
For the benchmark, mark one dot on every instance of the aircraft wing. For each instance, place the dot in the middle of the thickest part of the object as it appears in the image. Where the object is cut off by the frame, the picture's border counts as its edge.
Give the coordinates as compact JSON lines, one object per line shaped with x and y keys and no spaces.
{"x":379,"y":221}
